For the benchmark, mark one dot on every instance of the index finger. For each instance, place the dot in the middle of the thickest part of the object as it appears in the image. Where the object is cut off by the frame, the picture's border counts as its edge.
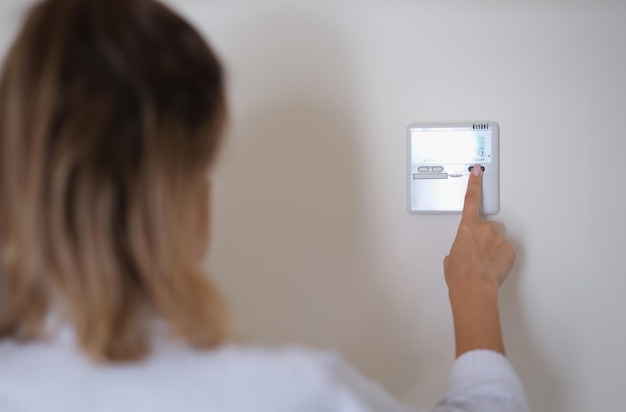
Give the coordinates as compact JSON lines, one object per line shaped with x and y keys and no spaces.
{"x":471,"y":208}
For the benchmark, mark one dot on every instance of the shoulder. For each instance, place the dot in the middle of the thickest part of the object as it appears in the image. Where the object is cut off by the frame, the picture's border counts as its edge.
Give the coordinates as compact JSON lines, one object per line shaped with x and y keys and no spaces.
{"x":293,"y":364}
{"x":320,"y":378}
{"x":302,"y":378}
{"x":287,"y":378}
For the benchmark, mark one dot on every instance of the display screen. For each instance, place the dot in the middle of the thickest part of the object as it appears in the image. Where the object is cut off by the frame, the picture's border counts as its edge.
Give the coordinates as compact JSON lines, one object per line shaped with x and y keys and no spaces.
{"x":451,"y":146}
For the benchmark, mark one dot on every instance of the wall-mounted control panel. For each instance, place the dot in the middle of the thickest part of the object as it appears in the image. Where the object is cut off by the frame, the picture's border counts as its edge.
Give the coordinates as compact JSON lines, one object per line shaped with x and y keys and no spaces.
{"x":440,"y":159}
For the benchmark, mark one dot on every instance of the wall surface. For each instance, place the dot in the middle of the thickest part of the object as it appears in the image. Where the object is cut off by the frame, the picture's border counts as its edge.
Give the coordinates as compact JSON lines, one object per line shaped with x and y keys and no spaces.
{"x":312,"y":241}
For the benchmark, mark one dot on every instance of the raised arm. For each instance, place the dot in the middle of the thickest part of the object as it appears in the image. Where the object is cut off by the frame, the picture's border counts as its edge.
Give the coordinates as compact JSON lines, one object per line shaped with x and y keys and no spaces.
{"x":478,"y":263}
{"x":482,"y":379}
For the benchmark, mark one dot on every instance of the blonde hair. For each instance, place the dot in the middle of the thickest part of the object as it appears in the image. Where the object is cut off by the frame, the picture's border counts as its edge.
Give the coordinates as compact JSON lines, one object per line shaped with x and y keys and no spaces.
{"x":110,"y":115}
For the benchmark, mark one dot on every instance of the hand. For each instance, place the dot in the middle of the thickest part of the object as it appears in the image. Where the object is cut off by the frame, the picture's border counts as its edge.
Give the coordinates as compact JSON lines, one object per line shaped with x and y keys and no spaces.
{"x":478,"y":263}
{"x":480,"y":255}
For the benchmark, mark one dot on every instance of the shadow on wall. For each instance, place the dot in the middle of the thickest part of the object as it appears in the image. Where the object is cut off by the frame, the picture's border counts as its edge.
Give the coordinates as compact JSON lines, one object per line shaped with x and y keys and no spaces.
{"x":290,"y":251}
{"x":540,"y":381}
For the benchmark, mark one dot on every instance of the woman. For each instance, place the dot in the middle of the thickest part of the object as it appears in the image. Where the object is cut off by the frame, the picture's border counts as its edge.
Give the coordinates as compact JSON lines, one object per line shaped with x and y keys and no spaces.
{"x":111,"y":114}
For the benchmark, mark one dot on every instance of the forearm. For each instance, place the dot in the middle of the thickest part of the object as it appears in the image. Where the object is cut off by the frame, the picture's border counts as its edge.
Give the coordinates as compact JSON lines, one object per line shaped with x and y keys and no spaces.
{"x":476,"y":318}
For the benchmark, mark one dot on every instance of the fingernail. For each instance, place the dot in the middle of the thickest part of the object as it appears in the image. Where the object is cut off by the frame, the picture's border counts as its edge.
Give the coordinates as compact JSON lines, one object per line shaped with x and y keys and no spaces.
{"x":476,"y":170}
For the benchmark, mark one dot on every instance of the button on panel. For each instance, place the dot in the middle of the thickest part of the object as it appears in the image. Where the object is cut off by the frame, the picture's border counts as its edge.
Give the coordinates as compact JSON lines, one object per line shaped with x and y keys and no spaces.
{"x":423,"y":169}
{"x":420,"y":176}
{"x":437,"y":169}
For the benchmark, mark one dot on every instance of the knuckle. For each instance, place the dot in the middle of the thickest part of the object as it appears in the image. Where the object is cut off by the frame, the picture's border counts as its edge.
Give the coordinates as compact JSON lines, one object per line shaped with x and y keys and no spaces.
{"x":494,"y":227}
{"x":512,"y":251}
{"x":509,"y":250}
{"x":465,"y":230}
{"x":491,"y":225}
{"x":471,"y":196}
{"x":486,"y":230}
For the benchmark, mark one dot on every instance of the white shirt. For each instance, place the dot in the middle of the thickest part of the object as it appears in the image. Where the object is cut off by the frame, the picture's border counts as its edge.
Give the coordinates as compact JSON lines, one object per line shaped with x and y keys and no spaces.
{"x":55,"y":376}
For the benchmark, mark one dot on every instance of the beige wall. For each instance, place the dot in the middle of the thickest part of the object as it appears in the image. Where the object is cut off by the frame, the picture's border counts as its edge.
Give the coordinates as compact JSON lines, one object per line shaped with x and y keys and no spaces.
{"x":312,"y":241}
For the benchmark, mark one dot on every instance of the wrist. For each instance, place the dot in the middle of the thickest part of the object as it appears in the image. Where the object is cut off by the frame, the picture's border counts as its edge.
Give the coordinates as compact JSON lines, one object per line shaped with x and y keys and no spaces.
{"x":478,"y":298}
{"x":479,"y":288}
{"x":476,"y":317}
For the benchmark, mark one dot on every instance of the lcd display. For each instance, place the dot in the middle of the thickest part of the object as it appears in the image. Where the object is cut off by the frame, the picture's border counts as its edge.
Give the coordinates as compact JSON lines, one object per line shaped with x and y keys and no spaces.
{"x":451,"y":147}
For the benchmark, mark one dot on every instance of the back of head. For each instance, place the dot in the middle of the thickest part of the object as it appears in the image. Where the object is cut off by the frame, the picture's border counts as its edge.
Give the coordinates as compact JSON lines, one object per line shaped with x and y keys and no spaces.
{"x":110,"y":115}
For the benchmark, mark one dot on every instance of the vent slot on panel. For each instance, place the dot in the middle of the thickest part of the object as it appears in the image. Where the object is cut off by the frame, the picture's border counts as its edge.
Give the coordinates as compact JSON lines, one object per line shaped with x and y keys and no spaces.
{"x":480,"y":126}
